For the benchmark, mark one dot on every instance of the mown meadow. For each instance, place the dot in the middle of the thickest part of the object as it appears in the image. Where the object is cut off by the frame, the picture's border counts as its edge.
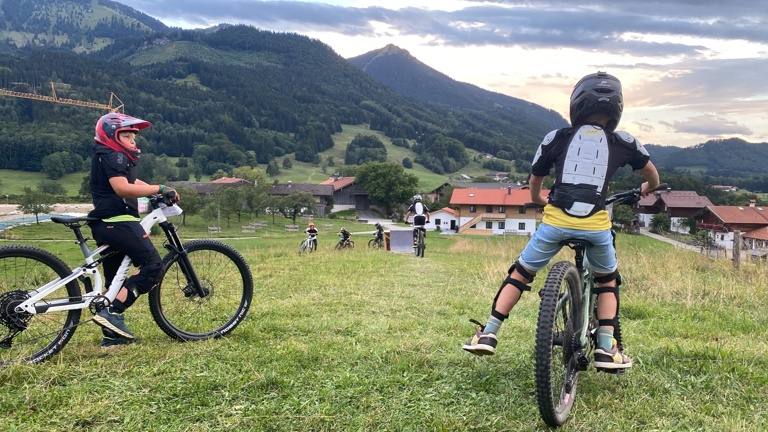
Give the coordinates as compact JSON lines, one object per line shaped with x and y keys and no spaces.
{"x":370,"y":340}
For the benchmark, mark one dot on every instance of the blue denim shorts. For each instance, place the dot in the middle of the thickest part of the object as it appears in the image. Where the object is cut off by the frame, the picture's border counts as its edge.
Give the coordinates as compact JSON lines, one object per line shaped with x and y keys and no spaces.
{"x":545,"y":244}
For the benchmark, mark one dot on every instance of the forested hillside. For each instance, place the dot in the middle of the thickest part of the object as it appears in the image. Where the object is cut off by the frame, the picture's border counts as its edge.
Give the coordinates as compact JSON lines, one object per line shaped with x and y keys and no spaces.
{"x":231,"y":97}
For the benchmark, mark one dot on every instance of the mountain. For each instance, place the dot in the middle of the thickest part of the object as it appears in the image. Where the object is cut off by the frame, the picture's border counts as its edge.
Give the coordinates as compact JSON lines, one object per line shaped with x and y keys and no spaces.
{"x":398,"y":69}
{"x":719,"y":158}
{"x":73,"y":25}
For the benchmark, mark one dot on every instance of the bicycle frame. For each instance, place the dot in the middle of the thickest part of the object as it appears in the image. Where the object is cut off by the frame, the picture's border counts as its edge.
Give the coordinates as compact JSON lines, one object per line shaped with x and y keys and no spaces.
{"x":90,"y":273}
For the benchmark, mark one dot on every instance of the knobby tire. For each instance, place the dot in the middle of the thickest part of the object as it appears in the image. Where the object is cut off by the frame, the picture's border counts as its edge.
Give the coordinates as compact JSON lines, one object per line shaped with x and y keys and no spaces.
{"x":24,"y":269}
{"x":556,"y":342}
{"x":420,"y":244}
{"x":181,"y":313}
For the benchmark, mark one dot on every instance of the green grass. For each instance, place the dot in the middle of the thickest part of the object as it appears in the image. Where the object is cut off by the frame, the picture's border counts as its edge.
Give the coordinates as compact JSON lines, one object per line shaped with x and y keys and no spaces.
{"x":362,"y":340}
{"x":13,"y":182}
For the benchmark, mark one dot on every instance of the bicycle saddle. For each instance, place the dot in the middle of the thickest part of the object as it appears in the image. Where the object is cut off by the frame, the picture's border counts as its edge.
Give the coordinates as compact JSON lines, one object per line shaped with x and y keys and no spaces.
{"x":572,"y":242}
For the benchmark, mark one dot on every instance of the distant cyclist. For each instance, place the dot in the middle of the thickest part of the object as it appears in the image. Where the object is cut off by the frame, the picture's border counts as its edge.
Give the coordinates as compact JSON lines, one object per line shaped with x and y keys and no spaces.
{"x":420,"y":217}
{"x":345,"y":235}
{"x":312,"y":233}
{"x":379,"y":233}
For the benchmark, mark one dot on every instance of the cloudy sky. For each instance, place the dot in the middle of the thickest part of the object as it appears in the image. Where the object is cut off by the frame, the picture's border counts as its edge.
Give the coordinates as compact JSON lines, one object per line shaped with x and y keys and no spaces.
{"x":692,"y":70}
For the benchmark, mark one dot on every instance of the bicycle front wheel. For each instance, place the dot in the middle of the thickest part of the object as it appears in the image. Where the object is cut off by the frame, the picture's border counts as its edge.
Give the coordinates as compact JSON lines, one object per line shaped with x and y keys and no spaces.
{"x":556,"y":375}
{"x":228,"y":284}
{"x":33,"y":337}
{"x":373,"y":244}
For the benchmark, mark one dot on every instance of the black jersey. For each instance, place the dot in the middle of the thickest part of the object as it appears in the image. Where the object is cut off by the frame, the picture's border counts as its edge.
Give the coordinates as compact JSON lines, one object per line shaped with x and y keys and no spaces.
{"x":105,"y":164}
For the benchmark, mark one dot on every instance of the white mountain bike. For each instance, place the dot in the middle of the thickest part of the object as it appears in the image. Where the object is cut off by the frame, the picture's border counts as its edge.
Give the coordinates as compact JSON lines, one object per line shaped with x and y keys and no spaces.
{"x":205,"y":292}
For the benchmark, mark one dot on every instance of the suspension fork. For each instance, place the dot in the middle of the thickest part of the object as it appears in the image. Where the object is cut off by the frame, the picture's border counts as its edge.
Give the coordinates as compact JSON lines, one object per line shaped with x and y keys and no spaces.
{"x":174,"y":244}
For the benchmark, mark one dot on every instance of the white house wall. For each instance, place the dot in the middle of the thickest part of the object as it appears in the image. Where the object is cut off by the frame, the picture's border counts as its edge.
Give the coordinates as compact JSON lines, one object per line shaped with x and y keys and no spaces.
{"x":510,"y":226}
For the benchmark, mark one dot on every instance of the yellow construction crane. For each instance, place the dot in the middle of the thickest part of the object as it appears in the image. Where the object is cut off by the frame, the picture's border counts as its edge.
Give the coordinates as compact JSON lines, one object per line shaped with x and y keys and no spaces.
{"x":54,"y":98}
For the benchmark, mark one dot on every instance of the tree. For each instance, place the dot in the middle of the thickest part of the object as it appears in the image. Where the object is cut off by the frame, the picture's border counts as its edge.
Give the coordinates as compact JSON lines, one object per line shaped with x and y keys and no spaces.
{"x":296,"y":203}
{"x":407,"y":163}
{"x":35,"y":202}
{"x":273,"y":204}
{"x":192,"y":203}
{"x":365,"y":148}
{"x":623,"y":215}
{"x":272,"y":168}
{"x":387,"y":183}
{"x":660,"y":223}
{"x":287,"y":163}
{"x":51,"y":187}
{"x":232,"y":199}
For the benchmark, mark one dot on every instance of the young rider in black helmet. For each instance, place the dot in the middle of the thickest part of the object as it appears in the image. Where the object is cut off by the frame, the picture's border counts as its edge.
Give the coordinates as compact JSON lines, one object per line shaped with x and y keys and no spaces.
{"x":585,"y":157}
{"x":115,"y":188}
{"x":379,"y":233}
{"x":421,"y":216}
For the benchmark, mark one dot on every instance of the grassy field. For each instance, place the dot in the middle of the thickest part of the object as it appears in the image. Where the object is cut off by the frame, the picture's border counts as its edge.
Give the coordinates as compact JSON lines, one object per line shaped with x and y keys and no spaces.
{"x":363,"y":340}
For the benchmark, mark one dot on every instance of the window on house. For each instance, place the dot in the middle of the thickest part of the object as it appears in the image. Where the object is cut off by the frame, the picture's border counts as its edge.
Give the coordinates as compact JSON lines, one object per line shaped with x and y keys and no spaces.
{"x":437,"y":222}
{"x":474,"y":226}
{"x":489,"y":209}
{"x":521,"y":226}
{"x":501,"y":209}
{"x":472,"y":209}
{"x":488,"y":225}
{"x":502,"y":225}
{"x":521,"y":209}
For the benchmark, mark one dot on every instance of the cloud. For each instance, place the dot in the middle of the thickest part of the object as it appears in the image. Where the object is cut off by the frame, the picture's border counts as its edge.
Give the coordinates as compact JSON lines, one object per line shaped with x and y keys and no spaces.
{"x":620,"y":27}
{"x":710,"y":125}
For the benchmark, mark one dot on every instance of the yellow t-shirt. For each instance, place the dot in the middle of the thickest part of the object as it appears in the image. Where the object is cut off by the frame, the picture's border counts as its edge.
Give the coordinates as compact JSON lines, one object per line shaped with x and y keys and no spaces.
{"x":555,"y":216}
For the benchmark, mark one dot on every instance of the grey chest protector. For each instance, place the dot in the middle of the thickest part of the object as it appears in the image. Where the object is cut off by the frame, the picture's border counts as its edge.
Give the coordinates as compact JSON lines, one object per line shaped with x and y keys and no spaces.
{"x":579,"y":190}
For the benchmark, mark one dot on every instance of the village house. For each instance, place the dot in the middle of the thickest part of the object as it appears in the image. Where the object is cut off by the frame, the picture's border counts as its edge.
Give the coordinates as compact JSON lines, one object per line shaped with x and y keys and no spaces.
{"x":437,"y":193}
{"x":444,"y":218}
{"x":320,"y":193}
{"x":722,"y":221}
{"x":494,"y":211}
{"x":347,"y":194}
{"x":678,"y":205}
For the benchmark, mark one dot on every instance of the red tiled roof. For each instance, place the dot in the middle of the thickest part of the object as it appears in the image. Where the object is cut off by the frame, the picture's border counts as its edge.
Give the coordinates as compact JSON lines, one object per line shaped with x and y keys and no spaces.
{"x":339,"y":183}
{"x":740,"y":215}
{"x":447,"y":210}
{"x":759,"y":234}
{"x":676,"y":199}
{"x":515,"y":197}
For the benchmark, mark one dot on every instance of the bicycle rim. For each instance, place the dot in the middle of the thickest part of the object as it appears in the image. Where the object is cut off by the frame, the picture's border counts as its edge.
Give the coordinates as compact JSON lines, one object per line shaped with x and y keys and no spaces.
{"x":556,"y":380}
{"x":223,"y":273}
{"x":33,"y":338}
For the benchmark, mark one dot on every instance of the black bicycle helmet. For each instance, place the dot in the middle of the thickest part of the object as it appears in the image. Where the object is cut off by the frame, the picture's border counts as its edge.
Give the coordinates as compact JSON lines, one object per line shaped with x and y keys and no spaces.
{"x":597,"y":93}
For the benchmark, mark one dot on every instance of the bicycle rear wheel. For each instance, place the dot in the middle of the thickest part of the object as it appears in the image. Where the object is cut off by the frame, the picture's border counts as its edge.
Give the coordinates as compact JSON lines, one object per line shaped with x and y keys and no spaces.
{"x":33,"y":337}
{"x":420,"y":245}
{"x":224,"y":275}
{"x":556,"y":375}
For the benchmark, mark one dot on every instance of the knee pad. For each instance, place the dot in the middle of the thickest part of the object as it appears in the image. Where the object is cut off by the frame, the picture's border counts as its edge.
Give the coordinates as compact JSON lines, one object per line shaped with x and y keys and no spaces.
{"x":609,"y":289}
{"x":523,"y":272}
{"x":515,"y":283}
{"x":150,"y":274}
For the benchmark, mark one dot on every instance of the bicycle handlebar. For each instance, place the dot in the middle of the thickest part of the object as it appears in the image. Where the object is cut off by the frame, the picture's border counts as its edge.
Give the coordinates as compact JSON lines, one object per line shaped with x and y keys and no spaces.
{"x":629,"y":197}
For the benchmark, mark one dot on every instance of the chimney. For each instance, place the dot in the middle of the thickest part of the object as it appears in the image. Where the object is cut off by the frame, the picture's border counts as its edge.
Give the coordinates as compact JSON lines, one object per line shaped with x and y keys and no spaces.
{"x":752,"y":203}
{"x":335,"y":176}
{"x":509,"y":190}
